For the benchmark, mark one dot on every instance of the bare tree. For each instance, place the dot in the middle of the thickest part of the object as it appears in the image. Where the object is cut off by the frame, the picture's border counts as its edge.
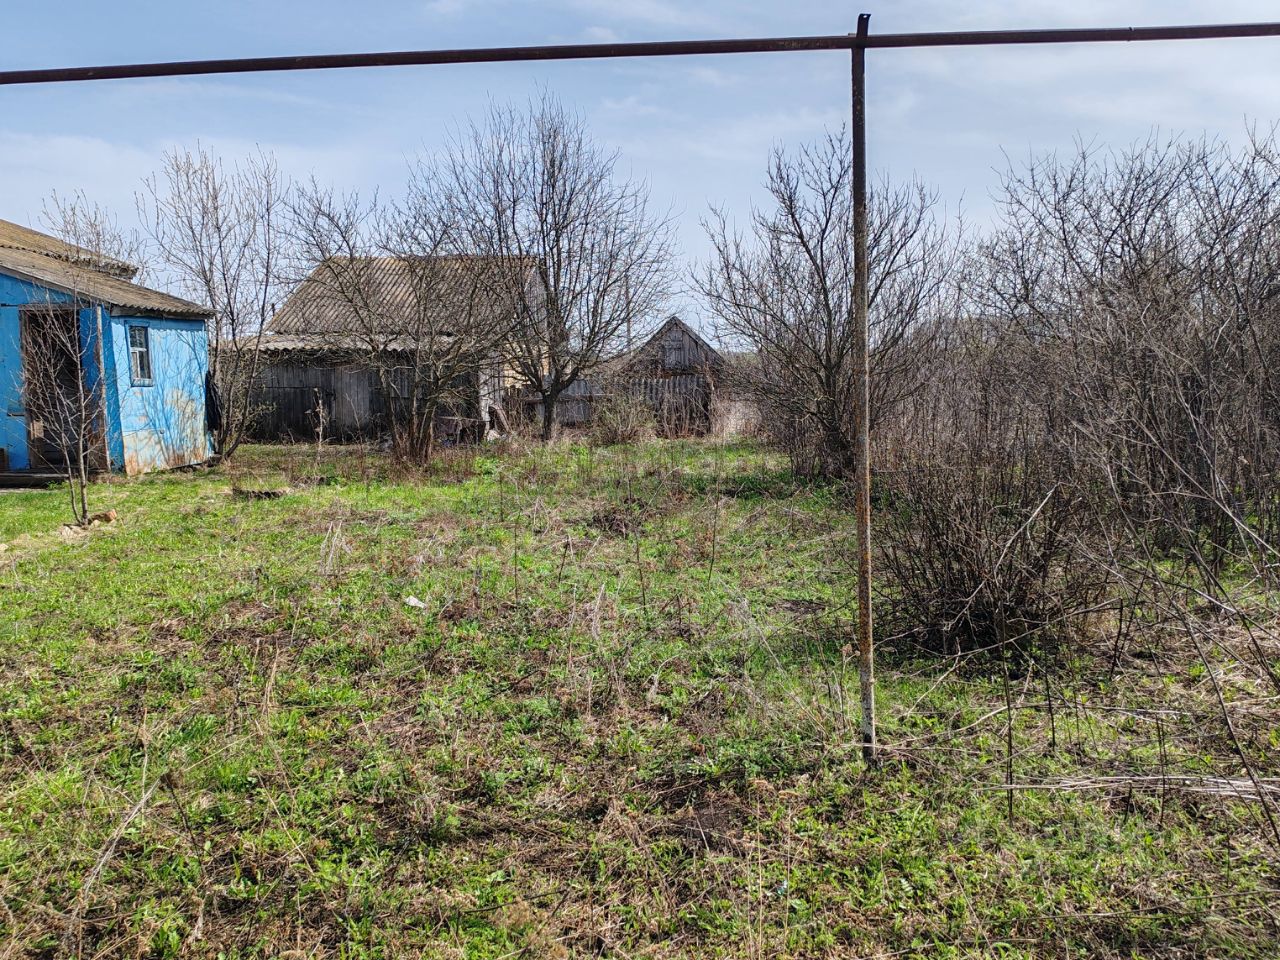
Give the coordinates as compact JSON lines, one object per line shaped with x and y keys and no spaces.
{"x":107,"y":245}
{"x":785,"y":289}
{"x":103,"y":246}
{"x":532,"y":185}
{"x":62,"y":397}
{"x":220,"y":231}
{"x":384,"y":293}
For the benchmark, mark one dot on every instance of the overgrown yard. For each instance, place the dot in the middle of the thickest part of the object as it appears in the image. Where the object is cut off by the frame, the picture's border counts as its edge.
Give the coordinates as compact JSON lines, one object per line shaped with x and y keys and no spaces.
{"x":574,"y":702}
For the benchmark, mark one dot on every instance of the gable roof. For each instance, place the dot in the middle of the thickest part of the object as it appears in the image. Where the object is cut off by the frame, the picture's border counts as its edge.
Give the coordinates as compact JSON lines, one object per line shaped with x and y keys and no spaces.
{"x":400,"y":293}
{"x":47,"y":261}
{"x":675,"y":321}
{"x":647,"y":353}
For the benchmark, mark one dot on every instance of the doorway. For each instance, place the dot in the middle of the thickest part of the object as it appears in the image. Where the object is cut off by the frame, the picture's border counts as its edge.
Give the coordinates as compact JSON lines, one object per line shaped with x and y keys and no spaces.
{"x":58,"y":404}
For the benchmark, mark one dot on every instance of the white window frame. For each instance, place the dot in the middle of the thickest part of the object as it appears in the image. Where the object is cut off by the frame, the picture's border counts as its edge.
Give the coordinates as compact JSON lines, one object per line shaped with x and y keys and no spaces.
{"x":140,"y":355}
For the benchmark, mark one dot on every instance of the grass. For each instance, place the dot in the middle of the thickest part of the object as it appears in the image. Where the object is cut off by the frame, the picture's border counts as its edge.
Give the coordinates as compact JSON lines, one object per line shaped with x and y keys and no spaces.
{"x":567,"y":702}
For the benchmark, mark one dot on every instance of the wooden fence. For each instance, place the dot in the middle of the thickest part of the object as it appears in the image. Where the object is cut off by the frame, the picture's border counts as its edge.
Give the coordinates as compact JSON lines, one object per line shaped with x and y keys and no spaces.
{"x":680,"y":404}
{"x":290,"y":400}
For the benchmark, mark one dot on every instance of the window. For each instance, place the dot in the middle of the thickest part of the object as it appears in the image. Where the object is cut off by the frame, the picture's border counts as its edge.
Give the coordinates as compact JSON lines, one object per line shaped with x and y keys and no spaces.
{"x":140,"y":355}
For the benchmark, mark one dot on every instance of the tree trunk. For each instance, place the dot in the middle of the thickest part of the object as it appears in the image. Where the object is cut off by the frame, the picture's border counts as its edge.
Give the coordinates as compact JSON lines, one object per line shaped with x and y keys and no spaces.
{"x":429,"y":446}
{"x":549,"y":401}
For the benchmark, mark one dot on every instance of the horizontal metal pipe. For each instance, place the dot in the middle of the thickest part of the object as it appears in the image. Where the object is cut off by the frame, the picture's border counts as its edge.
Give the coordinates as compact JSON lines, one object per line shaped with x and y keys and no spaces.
{"x":409,"y":58}
{"x":989,"y":38}
{"x":660,"y":48}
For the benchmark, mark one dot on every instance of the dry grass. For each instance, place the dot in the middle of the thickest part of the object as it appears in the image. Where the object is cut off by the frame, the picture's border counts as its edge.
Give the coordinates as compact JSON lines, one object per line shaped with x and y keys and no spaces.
{"x":619,"y":724}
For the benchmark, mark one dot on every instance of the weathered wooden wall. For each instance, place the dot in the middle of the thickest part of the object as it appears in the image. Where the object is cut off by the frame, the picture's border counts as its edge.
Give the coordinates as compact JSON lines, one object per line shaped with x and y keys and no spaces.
{"x":288,"y":397}
{"x":681,"y":404}
{"x":674,"y":349}
{"x":289,"y":393}
{"x":573,"y":409}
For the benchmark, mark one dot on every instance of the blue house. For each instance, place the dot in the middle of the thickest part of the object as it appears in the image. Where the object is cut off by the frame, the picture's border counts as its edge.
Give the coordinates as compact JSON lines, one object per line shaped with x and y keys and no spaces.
{"x":95,"y":366}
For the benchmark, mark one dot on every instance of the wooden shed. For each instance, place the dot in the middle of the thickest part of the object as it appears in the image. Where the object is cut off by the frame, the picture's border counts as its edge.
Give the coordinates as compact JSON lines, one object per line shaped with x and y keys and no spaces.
{"x":674,"y":350}
{"x":676,"y":373}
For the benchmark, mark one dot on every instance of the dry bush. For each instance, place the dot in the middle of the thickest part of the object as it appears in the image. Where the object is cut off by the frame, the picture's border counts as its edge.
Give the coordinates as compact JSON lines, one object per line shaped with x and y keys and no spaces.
{"x":1104,"y":391}
{"x":986,"y":546}
{"x":619,"y":417}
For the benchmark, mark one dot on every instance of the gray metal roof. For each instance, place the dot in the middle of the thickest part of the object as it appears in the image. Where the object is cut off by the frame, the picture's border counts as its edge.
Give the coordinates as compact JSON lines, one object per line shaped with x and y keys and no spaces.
{"x":14,"y":236}
{"x":398,"y":295}
{"x":327,"y":343}
{"x":71,"y":270}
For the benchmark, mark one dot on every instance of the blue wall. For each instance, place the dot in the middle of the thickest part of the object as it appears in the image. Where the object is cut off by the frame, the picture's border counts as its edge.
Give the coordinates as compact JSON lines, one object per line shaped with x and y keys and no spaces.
{"x":149,"y":426}
{"x":162,"y":424}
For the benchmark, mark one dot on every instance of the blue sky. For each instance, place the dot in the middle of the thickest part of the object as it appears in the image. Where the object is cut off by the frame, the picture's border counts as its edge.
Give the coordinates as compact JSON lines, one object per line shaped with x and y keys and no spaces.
{"x":698,"y":129}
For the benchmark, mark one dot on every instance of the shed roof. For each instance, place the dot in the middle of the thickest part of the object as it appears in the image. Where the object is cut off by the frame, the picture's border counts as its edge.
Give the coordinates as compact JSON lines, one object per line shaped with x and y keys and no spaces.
{"x":34,"y":256}
{"x":399,"y":294}
{"x":645,"y":352}
{"x":14,"y":236}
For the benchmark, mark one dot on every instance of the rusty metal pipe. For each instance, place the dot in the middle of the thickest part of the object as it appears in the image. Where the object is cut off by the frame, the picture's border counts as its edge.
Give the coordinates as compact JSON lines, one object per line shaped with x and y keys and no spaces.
{"x":410,"y":58}
{"x":862,"y":393}
{"x":989,"y":38}
{"x":660,"y":48}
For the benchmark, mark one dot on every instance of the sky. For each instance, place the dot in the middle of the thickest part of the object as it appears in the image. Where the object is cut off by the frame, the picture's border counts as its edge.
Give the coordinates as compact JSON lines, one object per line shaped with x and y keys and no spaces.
{"x":699,"y":130}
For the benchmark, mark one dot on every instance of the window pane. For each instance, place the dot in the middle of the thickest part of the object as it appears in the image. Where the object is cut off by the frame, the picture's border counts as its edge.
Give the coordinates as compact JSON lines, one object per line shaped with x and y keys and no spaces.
{"x":139,"y":354}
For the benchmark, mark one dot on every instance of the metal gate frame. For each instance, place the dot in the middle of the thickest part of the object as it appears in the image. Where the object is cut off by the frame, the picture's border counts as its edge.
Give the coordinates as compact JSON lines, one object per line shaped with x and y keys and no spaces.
{"x":857,"y":44}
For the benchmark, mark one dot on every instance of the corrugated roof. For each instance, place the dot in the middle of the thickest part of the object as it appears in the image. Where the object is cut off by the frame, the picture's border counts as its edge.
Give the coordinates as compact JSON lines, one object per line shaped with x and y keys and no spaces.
{"x":400,"y":294}
{"x":93,"y":285}
{"x":329,"y":343}
{"x":14,"y":236}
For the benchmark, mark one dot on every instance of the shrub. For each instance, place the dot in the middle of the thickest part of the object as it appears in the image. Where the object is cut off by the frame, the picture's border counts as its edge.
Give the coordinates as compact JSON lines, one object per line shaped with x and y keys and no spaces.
{"x":621,"y":418}
{"x":986,"y":547}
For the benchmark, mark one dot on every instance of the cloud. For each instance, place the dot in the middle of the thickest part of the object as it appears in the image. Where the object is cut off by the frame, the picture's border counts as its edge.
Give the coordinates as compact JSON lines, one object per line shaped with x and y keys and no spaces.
{"x":752,"y":134}
{"x":185,"y":90}
{"x":36,"y":165}
{"x":111,"y":172}
{"x":713,"y":77}
{"x":632,"y":106}
{"x":600,"y":35}
{"x":651,"y":13}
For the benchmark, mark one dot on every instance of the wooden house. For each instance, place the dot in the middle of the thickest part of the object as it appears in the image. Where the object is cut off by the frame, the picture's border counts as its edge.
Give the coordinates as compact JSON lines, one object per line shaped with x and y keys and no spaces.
{"x":337,"y":360}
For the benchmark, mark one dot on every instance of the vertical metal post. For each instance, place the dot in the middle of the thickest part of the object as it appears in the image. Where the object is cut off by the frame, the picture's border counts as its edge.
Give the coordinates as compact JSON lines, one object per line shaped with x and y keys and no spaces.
{"x":862,"y":414}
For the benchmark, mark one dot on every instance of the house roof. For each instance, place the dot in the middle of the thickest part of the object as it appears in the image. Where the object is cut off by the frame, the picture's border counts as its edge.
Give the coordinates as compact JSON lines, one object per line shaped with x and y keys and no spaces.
{"x":14,"y":236}
{"x":327,"y":343}
{"x":44,"y":260}
{"x":398,"y":294}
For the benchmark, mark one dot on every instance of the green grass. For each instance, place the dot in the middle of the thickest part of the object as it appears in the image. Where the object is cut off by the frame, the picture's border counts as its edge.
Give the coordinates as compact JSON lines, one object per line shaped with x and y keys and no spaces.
{"x":618,"y":720}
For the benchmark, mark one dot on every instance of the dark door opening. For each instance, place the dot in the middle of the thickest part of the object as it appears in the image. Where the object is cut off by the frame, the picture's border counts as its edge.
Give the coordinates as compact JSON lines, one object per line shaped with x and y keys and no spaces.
{"x":58,"y":405}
